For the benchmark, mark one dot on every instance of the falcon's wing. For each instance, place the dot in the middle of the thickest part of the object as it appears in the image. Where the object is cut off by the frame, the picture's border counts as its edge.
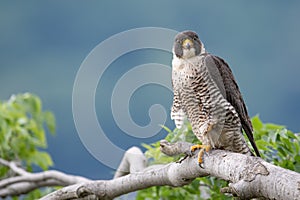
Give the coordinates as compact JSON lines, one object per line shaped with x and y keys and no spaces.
{"x":223,"y":77}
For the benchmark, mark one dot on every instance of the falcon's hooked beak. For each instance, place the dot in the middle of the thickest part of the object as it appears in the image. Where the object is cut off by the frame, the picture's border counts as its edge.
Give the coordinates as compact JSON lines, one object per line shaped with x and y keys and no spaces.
{"x":187,"y":44}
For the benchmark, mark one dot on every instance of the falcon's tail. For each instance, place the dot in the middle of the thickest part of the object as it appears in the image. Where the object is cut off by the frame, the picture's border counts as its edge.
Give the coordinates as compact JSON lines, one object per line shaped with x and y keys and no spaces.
{"x":251,"y":139}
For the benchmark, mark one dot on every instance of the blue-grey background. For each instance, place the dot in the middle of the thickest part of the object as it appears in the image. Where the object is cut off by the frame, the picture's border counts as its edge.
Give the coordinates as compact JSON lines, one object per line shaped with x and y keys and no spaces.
{"x":43,"y":43}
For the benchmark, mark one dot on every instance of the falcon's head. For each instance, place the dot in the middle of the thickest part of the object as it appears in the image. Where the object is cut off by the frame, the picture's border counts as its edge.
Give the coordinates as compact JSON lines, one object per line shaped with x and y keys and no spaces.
{"x":187,"y":44}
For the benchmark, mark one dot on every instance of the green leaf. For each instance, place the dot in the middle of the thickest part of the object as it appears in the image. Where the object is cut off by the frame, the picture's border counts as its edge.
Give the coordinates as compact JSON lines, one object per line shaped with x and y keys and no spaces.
{"x":261,"y":144}
{"x":41,"y":159}
{"x":147,"y":146}
{"x":271,"y":126}
{"x":33,"y":102}
{"x":166,"y":128}
{"x":273,"y":137}
{"x":290,"y":134}
{"x":256,"y":122}
{"x":50,"y":121}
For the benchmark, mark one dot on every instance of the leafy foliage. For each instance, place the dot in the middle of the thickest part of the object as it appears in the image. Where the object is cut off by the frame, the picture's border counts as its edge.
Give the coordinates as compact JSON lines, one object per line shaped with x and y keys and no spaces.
{"x":22,"y":133}
{"x":276,"y":144}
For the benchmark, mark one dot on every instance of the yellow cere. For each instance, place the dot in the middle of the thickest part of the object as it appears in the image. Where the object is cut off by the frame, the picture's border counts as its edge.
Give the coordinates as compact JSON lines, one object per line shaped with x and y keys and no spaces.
{"x":187,"y":41}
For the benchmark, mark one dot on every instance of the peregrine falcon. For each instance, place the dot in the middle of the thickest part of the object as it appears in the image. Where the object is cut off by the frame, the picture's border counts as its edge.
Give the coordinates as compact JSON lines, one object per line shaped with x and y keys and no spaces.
{"x":206,"y":93}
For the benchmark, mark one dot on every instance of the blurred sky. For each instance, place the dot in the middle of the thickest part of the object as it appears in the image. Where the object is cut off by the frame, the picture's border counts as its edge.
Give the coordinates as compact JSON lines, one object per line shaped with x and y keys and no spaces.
{"x":43,"y":43}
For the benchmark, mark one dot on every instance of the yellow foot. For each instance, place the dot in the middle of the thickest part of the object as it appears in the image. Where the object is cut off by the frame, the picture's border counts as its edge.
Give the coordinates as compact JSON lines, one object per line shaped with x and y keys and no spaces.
{"x":201,"y":152}
{"x":200,"y":146}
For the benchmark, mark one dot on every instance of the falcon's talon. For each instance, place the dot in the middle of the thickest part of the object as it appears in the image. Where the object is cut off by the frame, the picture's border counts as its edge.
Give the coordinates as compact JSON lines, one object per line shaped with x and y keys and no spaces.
{"x":182,"y":159}
{"x":203,"y":149}
{"x":189,"y":153}
{"x":201,"y":165}
{"x":200,"y":157}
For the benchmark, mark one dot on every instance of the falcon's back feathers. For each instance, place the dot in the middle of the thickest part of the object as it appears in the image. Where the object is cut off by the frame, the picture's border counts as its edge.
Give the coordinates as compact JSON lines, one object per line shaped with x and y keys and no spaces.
{"x":231,"y":92}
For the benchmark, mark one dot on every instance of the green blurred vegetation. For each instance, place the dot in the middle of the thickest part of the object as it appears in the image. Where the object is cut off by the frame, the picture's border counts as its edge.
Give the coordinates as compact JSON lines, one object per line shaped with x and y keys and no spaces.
{"x":22,"y":135}
{"x":277,"y":145}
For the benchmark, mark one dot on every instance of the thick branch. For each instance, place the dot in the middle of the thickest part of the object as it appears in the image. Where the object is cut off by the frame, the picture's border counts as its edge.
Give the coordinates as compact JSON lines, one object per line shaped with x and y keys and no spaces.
{"x":250,"y":177}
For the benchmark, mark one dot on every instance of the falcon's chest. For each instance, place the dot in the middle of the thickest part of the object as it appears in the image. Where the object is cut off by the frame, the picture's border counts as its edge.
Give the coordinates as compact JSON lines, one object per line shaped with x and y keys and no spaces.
{"x":185,"y":72}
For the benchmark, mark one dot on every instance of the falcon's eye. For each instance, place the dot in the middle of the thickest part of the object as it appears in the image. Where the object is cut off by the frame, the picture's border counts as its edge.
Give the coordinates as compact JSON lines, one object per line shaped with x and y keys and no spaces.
{"x":195,"y":37}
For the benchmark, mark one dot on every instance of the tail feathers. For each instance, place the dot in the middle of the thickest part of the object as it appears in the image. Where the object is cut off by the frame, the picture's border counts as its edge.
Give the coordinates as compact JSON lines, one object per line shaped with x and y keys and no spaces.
{"x":251,"y":139}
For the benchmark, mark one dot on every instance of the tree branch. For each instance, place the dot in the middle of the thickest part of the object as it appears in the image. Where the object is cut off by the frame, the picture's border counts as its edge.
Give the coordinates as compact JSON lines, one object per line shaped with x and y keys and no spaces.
{"x":27,"y":181}
{"x":249,"y":177}
{"x":13,"y":167}
{"x":132,"y":155}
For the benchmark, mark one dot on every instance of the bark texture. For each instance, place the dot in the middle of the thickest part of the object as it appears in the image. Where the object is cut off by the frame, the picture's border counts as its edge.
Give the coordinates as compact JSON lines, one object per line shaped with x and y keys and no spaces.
{"x":249,"y":177}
